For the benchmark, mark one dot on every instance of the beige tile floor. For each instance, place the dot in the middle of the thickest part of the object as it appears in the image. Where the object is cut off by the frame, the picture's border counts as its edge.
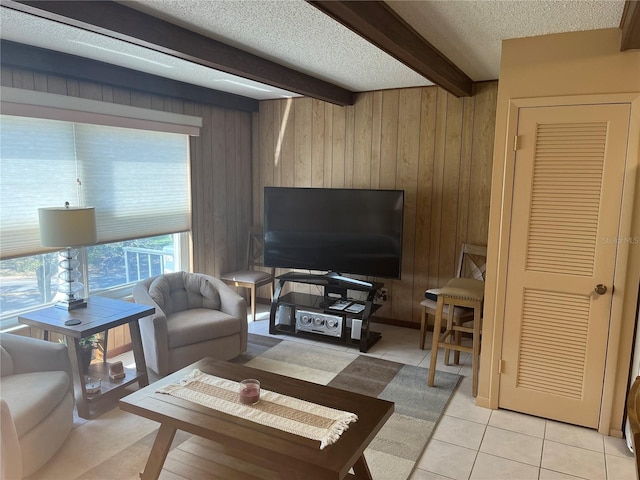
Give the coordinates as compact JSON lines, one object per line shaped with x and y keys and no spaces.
{"x":474,"y":443}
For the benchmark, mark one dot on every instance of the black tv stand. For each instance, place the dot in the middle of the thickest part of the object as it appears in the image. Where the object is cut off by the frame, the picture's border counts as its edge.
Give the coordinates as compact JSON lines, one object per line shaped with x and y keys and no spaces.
{"x":290,"y":311}
{"x":348,"y":281}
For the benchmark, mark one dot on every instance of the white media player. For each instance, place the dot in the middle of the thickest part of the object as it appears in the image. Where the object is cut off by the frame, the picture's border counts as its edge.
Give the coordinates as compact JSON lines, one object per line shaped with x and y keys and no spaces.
{"x":321,"y":323}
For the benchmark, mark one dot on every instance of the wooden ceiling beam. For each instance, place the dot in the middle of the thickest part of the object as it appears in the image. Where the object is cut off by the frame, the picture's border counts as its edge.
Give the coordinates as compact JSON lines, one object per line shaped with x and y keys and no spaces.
{"x":127,"y":24}
{"x":57,"y":63}
{"x":382,"y":26}
{"x":630,"y":25}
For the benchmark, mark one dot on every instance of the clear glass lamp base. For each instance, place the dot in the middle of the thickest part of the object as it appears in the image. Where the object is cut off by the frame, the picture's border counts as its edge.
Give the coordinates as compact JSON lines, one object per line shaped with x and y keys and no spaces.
{"x":68,"y":284}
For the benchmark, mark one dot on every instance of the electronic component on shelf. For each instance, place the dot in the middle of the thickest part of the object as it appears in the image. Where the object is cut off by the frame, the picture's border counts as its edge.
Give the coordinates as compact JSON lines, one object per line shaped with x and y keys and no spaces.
{"x":355,"y":308}
{"x":321,"y":323}
{"x":283,"y":315}
{"x":356,"y":329}
{"x":340,"y":305}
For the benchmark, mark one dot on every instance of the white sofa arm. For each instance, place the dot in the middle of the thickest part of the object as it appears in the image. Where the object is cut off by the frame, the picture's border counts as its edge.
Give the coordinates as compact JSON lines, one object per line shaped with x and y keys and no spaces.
{"x":11,"y":455}
{"x":232,"y":304}
{"x":153,"y":330}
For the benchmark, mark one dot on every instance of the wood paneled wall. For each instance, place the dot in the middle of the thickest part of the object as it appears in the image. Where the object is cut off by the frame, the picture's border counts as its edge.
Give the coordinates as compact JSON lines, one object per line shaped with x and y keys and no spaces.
{"x":221,"y":190}
{"x":220,"y":167}
{"x":434,"y":146}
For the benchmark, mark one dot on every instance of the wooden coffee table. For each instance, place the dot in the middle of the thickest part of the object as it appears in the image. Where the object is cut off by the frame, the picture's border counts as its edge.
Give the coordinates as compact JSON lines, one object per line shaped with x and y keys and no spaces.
{"x":292,"y":456}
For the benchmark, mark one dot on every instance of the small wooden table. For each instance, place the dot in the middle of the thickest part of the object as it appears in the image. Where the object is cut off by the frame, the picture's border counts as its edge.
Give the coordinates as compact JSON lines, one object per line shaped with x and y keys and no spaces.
{"x":292,"y":456}
{"x":100,"y":315}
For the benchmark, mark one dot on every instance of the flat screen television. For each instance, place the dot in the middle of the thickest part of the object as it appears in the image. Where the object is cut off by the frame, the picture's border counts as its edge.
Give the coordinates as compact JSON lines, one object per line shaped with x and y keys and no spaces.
{"x":350,"y":231}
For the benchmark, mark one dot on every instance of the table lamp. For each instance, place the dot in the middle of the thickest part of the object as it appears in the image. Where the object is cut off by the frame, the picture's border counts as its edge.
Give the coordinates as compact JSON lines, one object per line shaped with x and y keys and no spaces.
{"x":67,"y":228}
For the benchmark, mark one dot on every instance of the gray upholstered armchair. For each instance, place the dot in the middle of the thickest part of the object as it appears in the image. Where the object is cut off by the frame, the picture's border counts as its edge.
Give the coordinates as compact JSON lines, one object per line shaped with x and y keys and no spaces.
{"x":36,"y":404}
{"x":196,"y":316}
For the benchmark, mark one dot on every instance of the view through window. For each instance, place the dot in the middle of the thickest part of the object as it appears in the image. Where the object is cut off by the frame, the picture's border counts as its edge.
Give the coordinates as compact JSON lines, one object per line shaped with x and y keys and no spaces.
{"x":137,"y":181}
{"x":31,"y":282}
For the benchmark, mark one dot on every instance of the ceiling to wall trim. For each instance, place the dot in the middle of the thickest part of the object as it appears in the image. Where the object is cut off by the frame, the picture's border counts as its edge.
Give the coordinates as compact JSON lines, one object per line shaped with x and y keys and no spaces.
{"x":379,"y":24}
{"x":630,"y":25}
{"x":130,"y":25}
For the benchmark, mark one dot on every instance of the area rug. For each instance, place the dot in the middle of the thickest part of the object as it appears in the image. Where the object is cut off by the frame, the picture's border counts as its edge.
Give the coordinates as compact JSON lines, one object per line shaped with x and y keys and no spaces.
{"x":116,"y":445}
{"x":418,"y":408}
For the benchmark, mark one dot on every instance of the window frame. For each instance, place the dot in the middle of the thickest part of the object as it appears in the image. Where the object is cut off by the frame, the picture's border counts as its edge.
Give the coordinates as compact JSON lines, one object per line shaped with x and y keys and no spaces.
{"x":35,"y":104}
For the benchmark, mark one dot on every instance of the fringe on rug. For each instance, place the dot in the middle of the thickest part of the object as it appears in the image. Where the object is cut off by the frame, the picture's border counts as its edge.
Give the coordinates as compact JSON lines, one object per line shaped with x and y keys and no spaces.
{"x":337,"y":429}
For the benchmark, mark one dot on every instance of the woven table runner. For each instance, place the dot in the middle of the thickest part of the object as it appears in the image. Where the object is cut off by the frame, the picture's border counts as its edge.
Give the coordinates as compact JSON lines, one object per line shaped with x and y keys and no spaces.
{"x":285,"y":413}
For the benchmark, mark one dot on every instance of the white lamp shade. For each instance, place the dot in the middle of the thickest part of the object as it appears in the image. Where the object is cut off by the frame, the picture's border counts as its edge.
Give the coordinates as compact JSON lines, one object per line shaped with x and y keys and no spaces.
{"x":63,"y":227}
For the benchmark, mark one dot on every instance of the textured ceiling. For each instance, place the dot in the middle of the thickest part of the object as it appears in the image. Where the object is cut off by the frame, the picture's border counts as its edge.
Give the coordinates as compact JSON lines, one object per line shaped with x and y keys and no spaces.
{"x":291,"y":33}
{"x":295,"y":34}
{"x":470,"y":33}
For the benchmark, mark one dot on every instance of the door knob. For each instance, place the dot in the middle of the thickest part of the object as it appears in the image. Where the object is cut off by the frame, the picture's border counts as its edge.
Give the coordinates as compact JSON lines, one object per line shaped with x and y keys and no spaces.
{"x":601,"y":289}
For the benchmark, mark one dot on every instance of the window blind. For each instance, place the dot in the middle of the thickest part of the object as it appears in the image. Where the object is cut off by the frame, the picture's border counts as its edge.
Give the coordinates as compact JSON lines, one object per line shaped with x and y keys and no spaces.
{"x":137,"y":180}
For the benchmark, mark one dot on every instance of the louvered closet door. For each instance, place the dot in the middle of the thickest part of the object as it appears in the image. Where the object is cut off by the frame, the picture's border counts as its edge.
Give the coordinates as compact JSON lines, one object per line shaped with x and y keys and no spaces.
{"x":567,"y":198}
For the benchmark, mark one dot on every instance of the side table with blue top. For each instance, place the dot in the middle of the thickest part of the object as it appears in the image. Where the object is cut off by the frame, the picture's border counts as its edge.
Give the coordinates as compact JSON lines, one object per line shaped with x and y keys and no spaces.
{"x":100,"y":314}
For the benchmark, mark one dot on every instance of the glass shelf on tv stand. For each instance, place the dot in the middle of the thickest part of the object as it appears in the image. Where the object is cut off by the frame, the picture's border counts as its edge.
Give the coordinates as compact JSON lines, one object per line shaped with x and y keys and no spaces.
{"x":321,"y":304}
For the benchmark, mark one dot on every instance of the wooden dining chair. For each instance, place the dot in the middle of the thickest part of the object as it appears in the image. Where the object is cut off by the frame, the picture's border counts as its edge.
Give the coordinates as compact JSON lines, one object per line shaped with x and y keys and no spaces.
{"x":253,"y":277}
{"x":459,"y":302}
{"x":471,"y":264}
{"x":458,"y":293}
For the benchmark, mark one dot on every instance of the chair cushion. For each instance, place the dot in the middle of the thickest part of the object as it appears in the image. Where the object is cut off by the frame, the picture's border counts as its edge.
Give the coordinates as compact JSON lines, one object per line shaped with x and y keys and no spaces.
{"x":458,"y":312}
{"x":178,"y":291}
{"x":248,"y":276}
{"x":199,"y":325}
{"x":466,"y":288}
{"x":33,"y":396}
{"x":201,"y":293}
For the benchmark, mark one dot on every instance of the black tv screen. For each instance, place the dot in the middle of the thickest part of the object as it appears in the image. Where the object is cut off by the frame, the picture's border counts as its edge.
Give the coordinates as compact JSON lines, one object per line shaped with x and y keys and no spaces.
{"x":336,"y":230}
